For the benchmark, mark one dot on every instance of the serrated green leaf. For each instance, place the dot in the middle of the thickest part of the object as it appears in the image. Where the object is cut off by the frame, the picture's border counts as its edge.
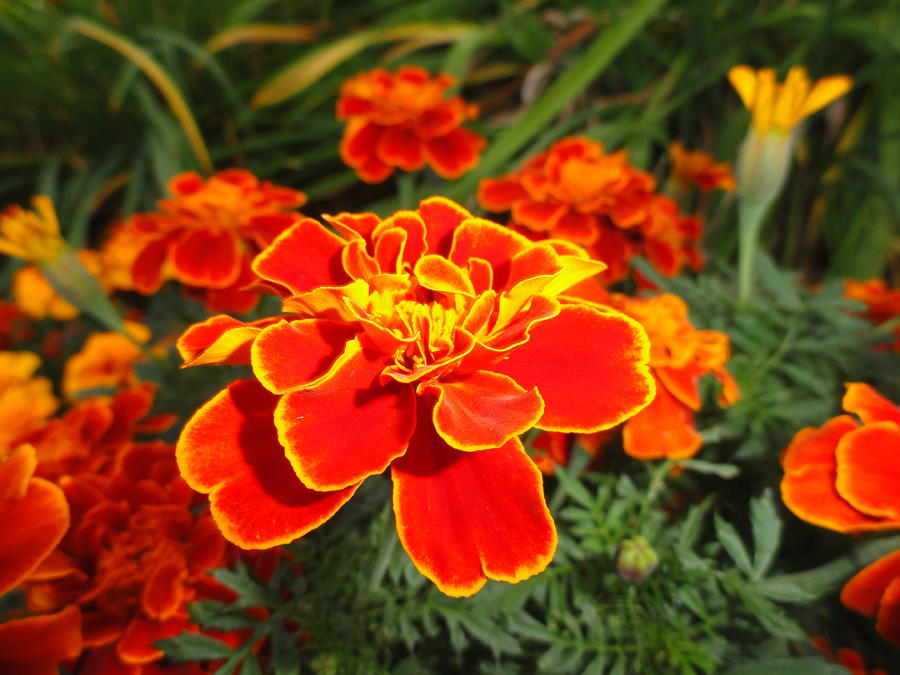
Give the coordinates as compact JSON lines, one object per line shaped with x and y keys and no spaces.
{"x":693,"y":524}
{"x":573,"y":487}
{"x":194,"y":647}
{"x":710,"y":468}
{"x":788,"y":666}
{"x":733,"y":545}
{"x":766,"y":526}
{"x":251,"y":593}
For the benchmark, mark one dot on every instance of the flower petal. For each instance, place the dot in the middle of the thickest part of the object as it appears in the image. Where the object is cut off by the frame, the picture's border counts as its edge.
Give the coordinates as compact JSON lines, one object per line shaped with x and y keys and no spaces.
{"x":888,"y":619}
{"x":868,"y":469}
{"x":465,"y":517}
{"x":288,"y":354}
{"x":163,"y":593}
{"x":863,"y":592}
{"x":148,"y":268}
{"x":589,"y":366}
{"x":664,"y":429}
{"x":452,"y":155}
{"x":398,"y":146}
{"x":137,"y":646}
{"x":483,"y":410}
{"x":863,"y":401}
{"x":480,"y":238}
{"x":808,"y":487}
{"x":206,"y":257}
{"x":441,"y":217}
{"x":303,"y":258}
{"x":27,"y":644}
{"x":230,"y":449}
{"x":220,"y":340}
{"x":348,"y":426}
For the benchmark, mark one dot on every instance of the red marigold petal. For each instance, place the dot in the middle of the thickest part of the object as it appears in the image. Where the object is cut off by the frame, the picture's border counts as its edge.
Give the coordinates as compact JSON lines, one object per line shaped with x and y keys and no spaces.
{"x":16,"y":471}
{"x":483,"y":410}
{"x":589,"y":366}
{"x":136,"y":646}
{"x":441,"y":217}
{"x":863,"y":592}
{"x":208,"y":258}
{"x":441,"y":119}
{"x":147,"y":270}
{"x":863,"y":401}
{"x":580,"y":228}
{"x":163,"y":593}
{"x":374,"y":170}
{"x":808,"y":487}
{"x":664,"y":429}
{"x":303,"y":258}
{"x":454,"y":154}
{"x":465,"y":517}
{"x":288,"y":354}
{"x":230,"y":449}
{"x":37,"y":644}
{"x":888,"y":619}
{"x":683,"y":383}
{"x":398,"y":146}
{"x":220,"y":340}
{"x":868,"y":469}
{"x":499,"y":194}
{"x":480,"y":238}
{"x":539,"y":216}
{"x":358,"y":142}
{"x":348,"y":426}
{"x":32,"y":527}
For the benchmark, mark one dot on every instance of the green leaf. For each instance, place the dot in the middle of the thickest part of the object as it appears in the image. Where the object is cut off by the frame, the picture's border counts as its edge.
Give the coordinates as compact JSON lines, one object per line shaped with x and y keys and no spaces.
{"x":693,"y":524}
{"x":250,"y":591}
{"x":573,"y":487}
{"x":766,"y":532}
{"x":731,"y":541}
{"x":194,"y":647}
{"x":712,"y":468}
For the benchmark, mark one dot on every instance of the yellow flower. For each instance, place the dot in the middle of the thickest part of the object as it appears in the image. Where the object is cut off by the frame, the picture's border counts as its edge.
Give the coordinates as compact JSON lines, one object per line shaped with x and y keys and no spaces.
{"x":31,"y":235}
{"x":783,"y":106}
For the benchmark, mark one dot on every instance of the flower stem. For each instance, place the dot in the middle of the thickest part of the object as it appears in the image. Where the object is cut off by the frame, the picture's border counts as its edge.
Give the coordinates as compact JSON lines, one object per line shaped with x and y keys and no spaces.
{"x":750,"y":218}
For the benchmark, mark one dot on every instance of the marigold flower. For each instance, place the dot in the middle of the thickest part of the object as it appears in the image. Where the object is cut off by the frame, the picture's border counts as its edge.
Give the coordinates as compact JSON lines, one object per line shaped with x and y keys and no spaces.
{"x":26,"y":401}
{"x":426,"y":342}
{"x":577,"y":192}
{"x":781,"y":107}
{"x":403,"y":121}
{"x":845,"y":476}
{"x":679,"y":356}
{"x":31,"y":235}
{"x":133,"y":557}
{"x":105,"y":361}
{"x":882,"y":303}
{"x":206,"y":236}
{"x":875,"y":591}
{"x":699,"y":169}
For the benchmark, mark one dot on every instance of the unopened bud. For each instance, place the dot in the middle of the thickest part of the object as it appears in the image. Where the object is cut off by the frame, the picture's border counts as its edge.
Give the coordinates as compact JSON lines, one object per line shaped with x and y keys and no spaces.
{"x":635,"y":559}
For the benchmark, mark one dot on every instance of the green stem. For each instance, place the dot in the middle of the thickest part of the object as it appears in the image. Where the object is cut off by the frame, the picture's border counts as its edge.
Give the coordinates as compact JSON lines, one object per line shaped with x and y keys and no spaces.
{"x":825,"y":578}
{"x":406,"y":190}
{"x":750,"y":218}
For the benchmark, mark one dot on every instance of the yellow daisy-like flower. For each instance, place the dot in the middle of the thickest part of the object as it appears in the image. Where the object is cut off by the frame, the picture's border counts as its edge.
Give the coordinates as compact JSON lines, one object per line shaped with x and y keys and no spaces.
{"x":783,"y":106}
{"x":31,"y":235}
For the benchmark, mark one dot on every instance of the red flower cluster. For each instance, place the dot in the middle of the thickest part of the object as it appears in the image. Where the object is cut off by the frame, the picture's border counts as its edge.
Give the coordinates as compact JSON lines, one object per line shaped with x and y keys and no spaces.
{"x":700,"y":170}
{"x":403,"y":121}
{"x":577,"y":192}
{"x":846,"y":477}
{"x":205,"y":236}
{"x":882,"y":303}
{"x":426,"y":342}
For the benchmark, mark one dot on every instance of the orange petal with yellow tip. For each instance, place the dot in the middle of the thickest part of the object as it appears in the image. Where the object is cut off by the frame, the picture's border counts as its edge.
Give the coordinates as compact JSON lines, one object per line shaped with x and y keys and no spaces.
{"x":303,"y":258}
{"x":589,"y":366}
{"x":347,"y":427}
{"x":220,"y":340}
{"x":863,"y":401}
{"x":37,"y":644}
{"x":465,"y":517}
{"x":863,"y":592}
{"x":483,"y":410}
{"x":136,"y":647}
{"x":441,"y":217}
{"x":664,"y":429}
{"x":206,"y":257}
{"x":35,"y":516}
{"x":288,"y":354}
{"x":498,"y":245}
{"x":436,"y":273}
{"x":868,"y":469}
{"x":229,"y":449}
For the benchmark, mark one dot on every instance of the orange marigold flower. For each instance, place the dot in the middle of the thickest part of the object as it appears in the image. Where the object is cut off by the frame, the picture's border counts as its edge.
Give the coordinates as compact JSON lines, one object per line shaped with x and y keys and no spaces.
{"x":781,"y":107}
{"x":106,"y":361}
{"x":426,"y":342}
{"x":206,"y":236}
{"x":882,"y":303}
{"x":26,"y":401}
{"x":844,"y":475}
{"x":699,"y":169}
{"x":679,"y":356}
{"x":851,"y":659}
{"x":405,"y":120}
{"x":875,"y":592}
{"x":133,"y":557}
{"x":31,"y":235}
{"x":577,"y":192}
